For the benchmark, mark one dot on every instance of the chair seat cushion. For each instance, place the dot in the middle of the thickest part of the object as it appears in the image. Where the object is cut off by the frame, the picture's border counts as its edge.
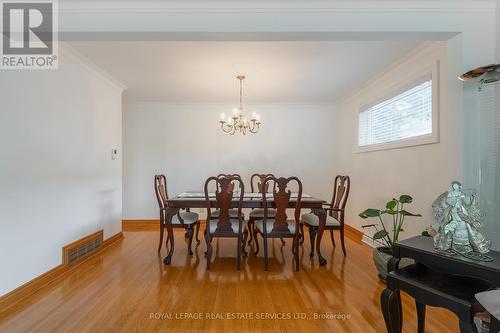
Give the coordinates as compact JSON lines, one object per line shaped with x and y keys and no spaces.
{"x":259,"y":212}
{"x":232,"y":213}
{"x":313,"y":221}
{"x":234,"y":225}
{"x":270,"y":225}
{"x":187,"y":217}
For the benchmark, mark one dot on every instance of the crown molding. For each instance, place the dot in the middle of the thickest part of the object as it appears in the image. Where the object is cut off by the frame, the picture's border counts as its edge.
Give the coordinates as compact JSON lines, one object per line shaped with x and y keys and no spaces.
{"x":135,"y":104}
{"x":422,"y":49}
{"x":265,"y":7}
{"x":67,"y":49}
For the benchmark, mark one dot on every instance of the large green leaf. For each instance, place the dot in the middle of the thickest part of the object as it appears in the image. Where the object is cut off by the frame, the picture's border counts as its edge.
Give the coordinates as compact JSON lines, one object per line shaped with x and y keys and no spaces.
{"x":391,"y":212}
{"x":405,"y":198}
{"x":380,"y":234}
{"x":405,"y":213}
{"x":370,"y":212}
{"x":391,"y":204}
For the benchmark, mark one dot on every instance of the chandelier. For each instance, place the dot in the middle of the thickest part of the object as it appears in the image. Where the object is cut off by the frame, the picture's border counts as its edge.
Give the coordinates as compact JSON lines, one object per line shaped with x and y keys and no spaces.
{"x":238,"y":122}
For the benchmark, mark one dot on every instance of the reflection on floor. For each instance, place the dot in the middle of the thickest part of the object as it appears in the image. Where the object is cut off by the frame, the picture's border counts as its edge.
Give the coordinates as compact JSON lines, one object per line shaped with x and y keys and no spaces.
{"x":127,"y":288}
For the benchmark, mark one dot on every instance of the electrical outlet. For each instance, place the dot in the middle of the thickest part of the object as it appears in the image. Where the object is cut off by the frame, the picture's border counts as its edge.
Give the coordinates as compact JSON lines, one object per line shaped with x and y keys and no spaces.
{"x":114,"y":154}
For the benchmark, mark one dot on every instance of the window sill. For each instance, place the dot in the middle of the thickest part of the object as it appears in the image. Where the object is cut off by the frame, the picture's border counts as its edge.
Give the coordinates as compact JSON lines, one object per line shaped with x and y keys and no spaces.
{"x":406,"y":143}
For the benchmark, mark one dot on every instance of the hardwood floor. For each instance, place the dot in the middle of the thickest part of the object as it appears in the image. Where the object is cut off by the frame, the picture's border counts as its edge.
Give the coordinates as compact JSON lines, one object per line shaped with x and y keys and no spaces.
{"x":128,"y":289}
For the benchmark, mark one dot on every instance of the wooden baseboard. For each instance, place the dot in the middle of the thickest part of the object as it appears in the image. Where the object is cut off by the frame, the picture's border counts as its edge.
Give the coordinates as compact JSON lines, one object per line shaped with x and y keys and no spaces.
{"x":353,"y":233}
{"x":144,"y":225}
{"x":112,"y":240}
{"x":154,"y":225}
{"x":140,"y":225}
{"x":11,"y":299}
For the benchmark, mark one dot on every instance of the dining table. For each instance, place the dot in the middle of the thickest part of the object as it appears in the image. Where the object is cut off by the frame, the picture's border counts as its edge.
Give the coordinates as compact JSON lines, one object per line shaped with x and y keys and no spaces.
{"x":193,"y":200}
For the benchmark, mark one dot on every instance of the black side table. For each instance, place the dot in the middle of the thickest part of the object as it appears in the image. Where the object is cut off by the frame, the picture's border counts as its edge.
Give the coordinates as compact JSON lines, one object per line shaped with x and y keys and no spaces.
{"x":436,"y":280}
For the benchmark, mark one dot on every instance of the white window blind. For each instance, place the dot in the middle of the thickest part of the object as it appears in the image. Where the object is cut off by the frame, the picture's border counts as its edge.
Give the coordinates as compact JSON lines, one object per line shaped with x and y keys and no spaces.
{"x":406,"y":115}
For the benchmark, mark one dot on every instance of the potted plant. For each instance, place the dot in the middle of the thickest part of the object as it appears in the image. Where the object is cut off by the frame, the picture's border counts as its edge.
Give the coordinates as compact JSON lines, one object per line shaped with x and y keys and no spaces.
{"x":385,"y":235}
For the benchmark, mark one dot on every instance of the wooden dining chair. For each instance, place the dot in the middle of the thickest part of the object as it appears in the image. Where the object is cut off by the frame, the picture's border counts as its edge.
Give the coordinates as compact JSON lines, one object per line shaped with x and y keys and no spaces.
{"x":279,"y":226}
{"x":256,"y":185}
{"x":224,"y":225}
{"x":335,"y":216}
{"x":187,"y":220}
{"x":233,"y":213}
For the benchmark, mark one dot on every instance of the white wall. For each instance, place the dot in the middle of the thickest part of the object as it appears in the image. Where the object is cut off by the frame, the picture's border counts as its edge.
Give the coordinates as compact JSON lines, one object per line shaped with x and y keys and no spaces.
{"x":423,"y":171}
{"x":185,"y":143}
{"x":57,"y":180}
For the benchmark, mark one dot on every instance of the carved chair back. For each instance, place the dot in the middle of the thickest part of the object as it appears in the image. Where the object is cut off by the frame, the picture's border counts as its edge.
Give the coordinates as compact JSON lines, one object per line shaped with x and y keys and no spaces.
{"x":282,"y":195}
{"x":224,"y":193}
{"x":340,"y":194}
{"x":260,"y":178}
{"x":229,"y":175}
{"x":161,"y":192}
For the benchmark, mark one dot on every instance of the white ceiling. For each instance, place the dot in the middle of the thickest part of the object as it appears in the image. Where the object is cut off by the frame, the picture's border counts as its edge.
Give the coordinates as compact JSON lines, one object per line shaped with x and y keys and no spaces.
{"x":277,"y":72}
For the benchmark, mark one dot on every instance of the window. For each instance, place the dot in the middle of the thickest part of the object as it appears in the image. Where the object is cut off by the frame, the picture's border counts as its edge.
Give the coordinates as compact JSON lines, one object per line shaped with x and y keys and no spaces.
{"x":402,"y":118}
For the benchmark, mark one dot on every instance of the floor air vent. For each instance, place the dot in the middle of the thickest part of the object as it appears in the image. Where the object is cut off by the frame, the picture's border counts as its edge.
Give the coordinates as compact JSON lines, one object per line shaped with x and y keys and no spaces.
{"x":82,"y":248}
